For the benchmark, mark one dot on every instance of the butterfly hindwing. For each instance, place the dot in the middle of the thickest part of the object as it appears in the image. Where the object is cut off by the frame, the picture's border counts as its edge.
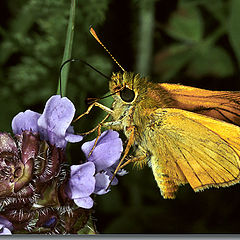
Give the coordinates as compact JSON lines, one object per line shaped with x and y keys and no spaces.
{"x":202,"y":150}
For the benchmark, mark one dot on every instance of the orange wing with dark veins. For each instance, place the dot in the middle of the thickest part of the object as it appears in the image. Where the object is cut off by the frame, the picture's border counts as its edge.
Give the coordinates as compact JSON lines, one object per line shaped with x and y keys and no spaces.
{"x":223,"y":105}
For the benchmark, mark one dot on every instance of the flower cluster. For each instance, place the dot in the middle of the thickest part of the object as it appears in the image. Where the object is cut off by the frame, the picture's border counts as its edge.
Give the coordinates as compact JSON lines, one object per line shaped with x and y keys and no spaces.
{"x":94,"y":176}
{"x":39,"y":191}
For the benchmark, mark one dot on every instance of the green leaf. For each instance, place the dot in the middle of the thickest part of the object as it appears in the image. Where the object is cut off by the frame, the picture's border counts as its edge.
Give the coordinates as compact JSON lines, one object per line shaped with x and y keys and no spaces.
{"x":217,"y":9}
{"x":234,"y":27}
{"x":186,"y":24}
{"x":211,"y":61}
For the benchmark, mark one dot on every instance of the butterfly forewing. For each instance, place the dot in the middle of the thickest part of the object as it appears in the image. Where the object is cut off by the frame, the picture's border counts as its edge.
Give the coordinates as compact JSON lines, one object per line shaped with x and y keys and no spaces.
{"x":223,"y":105}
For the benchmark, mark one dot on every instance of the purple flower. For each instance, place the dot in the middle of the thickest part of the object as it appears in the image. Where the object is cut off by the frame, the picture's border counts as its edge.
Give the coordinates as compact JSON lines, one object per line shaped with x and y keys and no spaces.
{"x":25,"y":121}
{"x":95,"y":175}
{"x":53,"y":125}
{"x":102,"y":182}
{"x":106,"y":152}
{"x":105,"y":156}
{"x":81,"y":184}
{"x":5,"y":226}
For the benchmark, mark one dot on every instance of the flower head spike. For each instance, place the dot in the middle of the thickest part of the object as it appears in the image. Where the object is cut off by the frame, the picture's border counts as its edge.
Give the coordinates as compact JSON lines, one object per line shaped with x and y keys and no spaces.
{"x":37,"y":190}
{"x":34,"y":171}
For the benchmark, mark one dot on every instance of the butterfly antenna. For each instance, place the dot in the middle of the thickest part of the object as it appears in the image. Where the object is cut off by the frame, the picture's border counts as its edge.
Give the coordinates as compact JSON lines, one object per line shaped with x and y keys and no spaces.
{"x":92,"y":31}
{"x":77,"y":60}
{"x":60,"y":75}
{"x":92,"y":100}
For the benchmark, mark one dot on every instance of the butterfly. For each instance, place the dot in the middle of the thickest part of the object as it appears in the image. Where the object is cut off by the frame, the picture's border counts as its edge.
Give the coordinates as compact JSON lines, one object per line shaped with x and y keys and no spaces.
{"x":187,"y":135}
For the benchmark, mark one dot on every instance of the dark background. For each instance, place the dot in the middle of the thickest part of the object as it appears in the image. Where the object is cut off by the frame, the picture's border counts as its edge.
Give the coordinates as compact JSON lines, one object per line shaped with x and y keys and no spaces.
{"x":196,"y":43}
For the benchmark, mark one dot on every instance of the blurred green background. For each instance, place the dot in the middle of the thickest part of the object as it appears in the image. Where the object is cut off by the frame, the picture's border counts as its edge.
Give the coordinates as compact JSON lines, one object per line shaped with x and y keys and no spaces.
{"x":192,"y":42}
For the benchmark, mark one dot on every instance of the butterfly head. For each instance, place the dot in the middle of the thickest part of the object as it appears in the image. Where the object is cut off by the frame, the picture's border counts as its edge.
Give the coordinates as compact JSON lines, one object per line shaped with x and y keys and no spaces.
{"x":126,"y":86}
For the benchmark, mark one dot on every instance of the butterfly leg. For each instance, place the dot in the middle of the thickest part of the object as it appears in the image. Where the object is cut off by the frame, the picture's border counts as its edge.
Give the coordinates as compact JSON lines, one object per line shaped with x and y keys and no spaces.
{"x":96,"y":128}
{"x":95,"y":143}
{"x":104,"y":108}
{"x":140,"y":160}
{"x":129,"y":144}
{"x":99,"y":127}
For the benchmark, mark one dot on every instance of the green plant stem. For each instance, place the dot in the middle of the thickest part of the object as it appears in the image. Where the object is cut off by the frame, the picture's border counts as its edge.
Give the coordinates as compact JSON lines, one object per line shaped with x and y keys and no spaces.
{"x":67,"y":50}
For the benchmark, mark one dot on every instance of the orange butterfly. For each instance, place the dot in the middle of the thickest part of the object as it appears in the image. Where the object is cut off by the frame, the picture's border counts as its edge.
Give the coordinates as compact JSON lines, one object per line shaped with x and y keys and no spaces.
{"x":186,"y":134}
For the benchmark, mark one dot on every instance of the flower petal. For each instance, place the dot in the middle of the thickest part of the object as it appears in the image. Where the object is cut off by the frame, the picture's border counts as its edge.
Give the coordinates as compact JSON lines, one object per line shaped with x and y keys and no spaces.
{"x":73,"y":137}
{"x":25,"y":121}
{"x":107,"y":151}
{"x":82,"y":180}
{"x":55,"y":120}
{"x":6,"y":223}
{"x":122,"y":172}
{"x":85,"y":202}
{"x":102,"y":182}
{"x":4,"y":230}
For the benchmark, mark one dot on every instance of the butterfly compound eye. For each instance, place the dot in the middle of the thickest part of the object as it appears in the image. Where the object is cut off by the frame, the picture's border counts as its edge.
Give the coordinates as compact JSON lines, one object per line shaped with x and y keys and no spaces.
{"x":127,"y":95}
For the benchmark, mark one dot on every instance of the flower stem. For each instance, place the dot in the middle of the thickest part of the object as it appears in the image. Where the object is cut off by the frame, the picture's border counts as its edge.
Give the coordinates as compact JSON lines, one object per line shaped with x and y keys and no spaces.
{"x":67,"y":50}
